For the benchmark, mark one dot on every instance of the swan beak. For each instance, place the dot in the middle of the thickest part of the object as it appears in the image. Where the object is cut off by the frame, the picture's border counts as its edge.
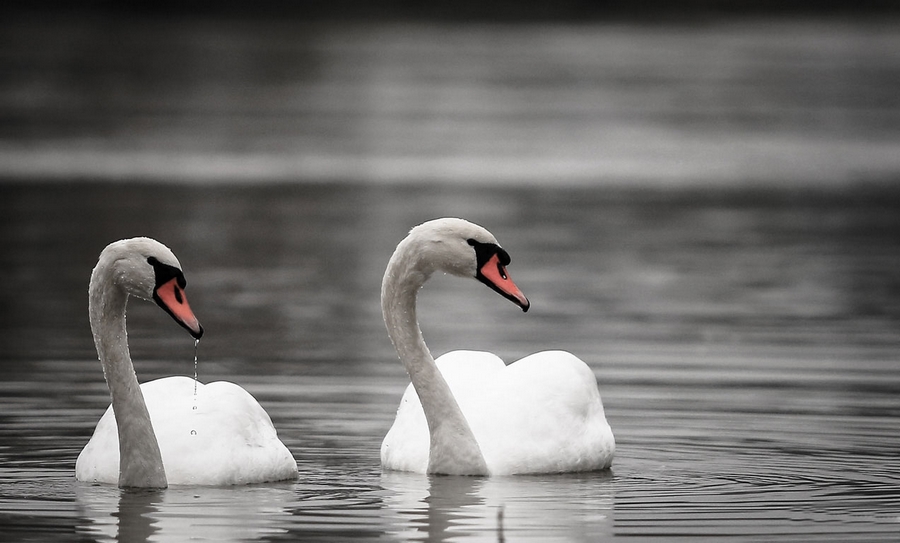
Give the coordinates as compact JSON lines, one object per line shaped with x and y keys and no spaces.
{"x":171,"y":297}
{"x":494,"y":275}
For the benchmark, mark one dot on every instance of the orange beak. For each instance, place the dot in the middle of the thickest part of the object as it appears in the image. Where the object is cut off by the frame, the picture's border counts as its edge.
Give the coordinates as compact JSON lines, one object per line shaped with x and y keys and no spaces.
{"x":494,"y":275}
{"x":170,"y":296}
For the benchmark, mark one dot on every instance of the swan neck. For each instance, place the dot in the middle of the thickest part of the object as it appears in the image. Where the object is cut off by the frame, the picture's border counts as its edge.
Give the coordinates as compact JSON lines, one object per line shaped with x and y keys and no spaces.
{"x":140,"y":461}
{"x":453,"y":447}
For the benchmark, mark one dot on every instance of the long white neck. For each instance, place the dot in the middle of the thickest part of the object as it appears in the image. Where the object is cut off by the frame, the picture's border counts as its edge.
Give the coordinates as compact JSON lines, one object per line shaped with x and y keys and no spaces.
{"x":140,"y":462}
{"x":454,"y":450}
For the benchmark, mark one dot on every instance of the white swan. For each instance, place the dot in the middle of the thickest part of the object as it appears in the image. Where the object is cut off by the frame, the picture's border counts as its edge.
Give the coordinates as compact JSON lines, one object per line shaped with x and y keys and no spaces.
{"x":221,"y":436}
{"x":469,"y":413}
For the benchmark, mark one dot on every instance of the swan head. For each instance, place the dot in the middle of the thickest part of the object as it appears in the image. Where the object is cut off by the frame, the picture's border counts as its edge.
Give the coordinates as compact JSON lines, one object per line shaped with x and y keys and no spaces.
{"x":146,"y":268}
{"x":464,"y":249}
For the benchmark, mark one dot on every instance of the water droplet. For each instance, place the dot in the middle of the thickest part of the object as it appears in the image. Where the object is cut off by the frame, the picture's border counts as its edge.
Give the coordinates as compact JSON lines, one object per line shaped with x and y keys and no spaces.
{"x":193,"y":432}
{"x":196,"y":344}
{"x":194,"y":408}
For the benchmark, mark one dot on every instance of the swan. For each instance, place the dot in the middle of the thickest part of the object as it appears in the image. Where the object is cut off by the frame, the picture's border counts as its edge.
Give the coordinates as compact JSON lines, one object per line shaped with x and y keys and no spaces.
{"x":170,"y":434}
{"x":468,"y":413}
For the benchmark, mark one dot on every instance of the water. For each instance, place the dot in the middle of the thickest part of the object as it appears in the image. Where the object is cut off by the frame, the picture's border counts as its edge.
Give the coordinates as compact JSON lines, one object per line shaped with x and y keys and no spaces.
{"x":706,"y":214}
{"x":745,"y":345}
{"x":740,"y":101}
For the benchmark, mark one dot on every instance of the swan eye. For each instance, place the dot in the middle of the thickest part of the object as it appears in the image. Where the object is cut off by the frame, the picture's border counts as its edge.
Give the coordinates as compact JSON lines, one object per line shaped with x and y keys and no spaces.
{"x":484,"y":252}
{"x":165,"y":273}
{"x":503,"y":256}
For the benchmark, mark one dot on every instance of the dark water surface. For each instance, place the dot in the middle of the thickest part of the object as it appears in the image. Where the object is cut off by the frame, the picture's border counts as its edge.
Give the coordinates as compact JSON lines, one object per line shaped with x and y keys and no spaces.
{"x":745,"y":343}
{"x":737,"y":294}
{"x":770,"y":101}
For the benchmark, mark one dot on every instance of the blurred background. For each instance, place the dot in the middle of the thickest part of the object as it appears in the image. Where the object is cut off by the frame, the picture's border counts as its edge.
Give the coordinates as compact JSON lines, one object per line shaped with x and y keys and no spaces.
{"x":701,"y":199}
{"x":701,"y":92}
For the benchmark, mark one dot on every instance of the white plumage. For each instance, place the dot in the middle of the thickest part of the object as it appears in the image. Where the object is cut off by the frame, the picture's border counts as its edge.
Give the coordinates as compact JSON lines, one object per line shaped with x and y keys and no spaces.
{"x":541,"y":414}
{"x":228,"y":439}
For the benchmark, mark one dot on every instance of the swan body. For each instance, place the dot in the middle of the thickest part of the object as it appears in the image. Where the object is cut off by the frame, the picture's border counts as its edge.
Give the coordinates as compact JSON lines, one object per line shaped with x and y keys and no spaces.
{"x":161,"y":433}
{"x":228,"y":439}
{"x":469,"y":413}
{"x":541,"y":414}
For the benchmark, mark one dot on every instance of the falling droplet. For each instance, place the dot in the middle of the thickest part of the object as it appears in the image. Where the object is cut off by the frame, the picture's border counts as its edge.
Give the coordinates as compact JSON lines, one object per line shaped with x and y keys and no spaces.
{"x":193,"y":432}
{"x":196,"y":343}
{"x":194,"y":407}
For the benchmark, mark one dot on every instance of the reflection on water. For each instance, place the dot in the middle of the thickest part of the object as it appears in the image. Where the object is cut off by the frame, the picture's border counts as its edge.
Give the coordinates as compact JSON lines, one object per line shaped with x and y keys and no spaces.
{"x":564,"y":508}
{"x":400,"y":506}
{"x":745,"y":344}
{"x":182,"y":514}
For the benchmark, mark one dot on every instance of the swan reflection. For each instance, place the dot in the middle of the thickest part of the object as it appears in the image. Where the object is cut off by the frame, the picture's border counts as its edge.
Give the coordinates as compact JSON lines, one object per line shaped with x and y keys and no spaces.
{"x":180,"y":514}
{"x":545,"y":508}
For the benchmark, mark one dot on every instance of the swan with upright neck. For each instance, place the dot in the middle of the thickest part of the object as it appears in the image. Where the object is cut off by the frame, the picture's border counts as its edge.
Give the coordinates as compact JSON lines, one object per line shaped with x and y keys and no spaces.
{"x":468,"y":413}
{"x":171,"y":430}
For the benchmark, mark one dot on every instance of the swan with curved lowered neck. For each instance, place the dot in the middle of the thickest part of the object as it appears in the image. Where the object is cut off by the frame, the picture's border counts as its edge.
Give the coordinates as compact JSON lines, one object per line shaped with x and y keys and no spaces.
{"x":163,"y":432}
{"x":468,"y":413}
